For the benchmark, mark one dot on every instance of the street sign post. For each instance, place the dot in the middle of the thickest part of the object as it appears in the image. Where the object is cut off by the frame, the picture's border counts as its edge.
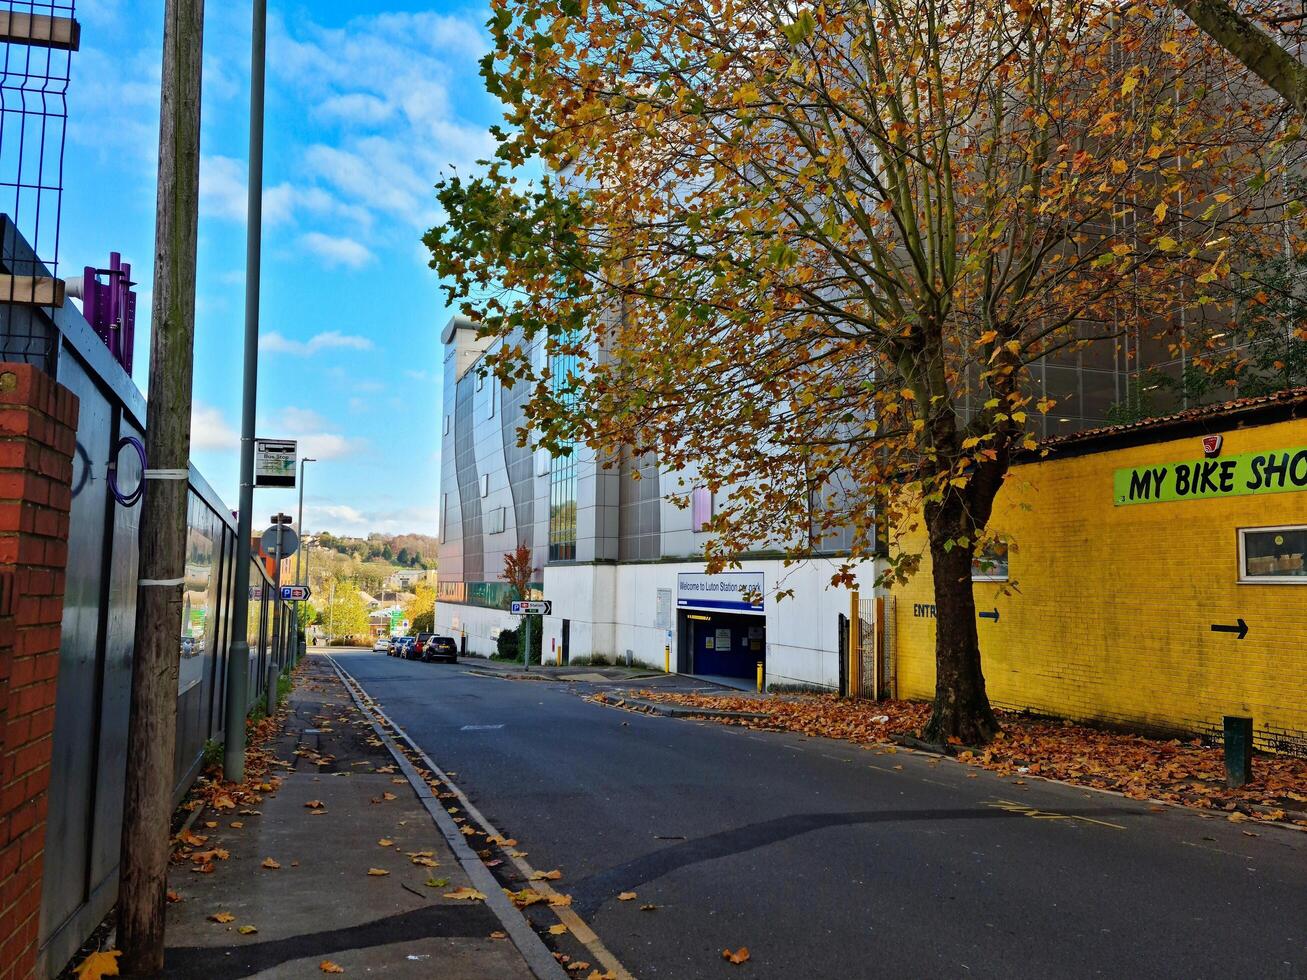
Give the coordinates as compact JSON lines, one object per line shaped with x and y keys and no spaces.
{"x":274,"y":462}
{"x":531,"y":607}
{"x":295,"y":593}
{"x":280,"y":542}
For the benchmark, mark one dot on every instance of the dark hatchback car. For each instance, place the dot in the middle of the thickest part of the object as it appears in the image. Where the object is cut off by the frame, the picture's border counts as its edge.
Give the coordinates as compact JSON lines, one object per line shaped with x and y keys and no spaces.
{"x":442,"y":648}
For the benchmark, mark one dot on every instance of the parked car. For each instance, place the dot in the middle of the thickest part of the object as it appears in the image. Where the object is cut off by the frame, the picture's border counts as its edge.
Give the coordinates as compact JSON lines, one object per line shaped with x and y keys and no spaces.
{"x":420,"y":646}
{"x":407,"y":648}
{"x":393,"y":649}
{"x":442,"y":648}
{"x":382,"y":645}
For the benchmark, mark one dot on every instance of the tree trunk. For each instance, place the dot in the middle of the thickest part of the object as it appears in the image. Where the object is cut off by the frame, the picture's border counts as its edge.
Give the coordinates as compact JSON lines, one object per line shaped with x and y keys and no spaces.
{"x":961,"y":711}
{"x":152,"y":727}
{"x":1260,"y":53}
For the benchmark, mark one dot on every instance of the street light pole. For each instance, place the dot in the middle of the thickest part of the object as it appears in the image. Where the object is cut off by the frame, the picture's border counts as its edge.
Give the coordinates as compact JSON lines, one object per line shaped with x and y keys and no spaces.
{"x":299,"y":526}
{"x":238,"y":658}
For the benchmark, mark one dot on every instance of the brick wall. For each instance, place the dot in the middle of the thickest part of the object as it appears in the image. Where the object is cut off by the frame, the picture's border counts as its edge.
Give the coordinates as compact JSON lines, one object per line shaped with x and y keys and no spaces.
{"x":38,"y":424}
{"x":1108,"y":612}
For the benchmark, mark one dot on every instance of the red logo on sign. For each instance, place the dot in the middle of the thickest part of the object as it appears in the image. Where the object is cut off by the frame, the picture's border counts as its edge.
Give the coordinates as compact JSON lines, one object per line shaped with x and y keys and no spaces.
{"x":1212,"y":445}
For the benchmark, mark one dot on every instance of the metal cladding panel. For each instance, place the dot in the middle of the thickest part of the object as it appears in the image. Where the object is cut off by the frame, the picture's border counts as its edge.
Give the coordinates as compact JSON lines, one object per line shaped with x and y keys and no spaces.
{"x":115,"y":684}
{"x":73,"y":762}
{"x":469,"y":490}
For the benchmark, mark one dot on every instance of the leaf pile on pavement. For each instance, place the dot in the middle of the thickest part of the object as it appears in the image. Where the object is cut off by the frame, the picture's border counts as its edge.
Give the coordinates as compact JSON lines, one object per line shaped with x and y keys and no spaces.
{"x":1188,"y":773}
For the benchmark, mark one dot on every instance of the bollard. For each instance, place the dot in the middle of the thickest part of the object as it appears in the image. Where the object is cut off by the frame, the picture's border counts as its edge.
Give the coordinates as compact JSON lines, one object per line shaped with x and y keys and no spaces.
{"x":759,"y":676}
{"x":667,"y":658}
{"x":1238,"y":750}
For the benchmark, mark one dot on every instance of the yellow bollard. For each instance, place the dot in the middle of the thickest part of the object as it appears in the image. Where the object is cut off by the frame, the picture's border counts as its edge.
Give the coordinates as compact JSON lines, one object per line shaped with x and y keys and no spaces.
{"x":667,"y":658}
{"x":759,"y":676}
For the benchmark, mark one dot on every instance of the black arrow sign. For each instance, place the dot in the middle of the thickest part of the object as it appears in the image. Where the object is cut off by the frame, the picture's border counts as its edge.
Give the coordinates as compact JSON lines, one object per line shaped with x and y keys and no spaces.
{"x":1240,"y":627}
{"x":990,"y":615}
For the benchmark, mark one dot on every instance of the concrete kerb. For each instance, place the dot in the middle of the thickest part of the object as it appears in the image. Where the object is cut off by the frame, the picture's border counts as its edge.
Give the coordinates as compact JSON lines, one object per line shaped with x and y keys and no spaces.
{"x":672,"y":711}
{"x":579,"y":928}
{"x":537,"y":955}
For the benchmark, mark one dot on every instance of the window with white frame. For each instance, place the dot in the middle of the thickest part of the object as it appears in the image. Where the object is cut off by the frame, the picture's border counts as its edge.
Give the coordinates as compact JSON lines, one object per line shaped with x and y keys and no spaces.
{"x":701,"y":509}
{"x":1273,"y":554}
{"x":485,"y":484}
{"x":495,"y":520}
{"x":494,"y":391}
{"x":446,"y":425}
{"x":991,"y":564}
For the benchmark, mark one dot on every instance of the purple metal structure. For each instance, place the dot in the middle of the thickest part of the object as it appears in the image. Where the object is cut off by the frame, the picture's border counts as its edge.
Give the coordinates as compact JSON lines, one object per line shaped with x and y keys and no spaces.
{"x":110,"y":307}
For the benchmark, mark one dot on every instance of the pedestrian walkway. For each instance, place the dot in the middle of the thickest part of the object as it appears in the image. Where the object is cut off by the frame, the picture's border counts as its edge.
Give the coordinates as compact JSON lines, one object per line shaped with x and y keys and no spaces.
{"x":339,"y":869}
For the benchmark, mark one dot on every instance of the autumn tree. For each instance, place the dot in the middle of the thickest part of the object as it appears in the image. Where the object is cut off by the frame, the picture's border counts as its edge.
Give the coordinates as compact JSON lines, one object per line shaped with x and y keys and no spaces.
{"x":423,"y":602}
{"x":518,"y":571}
{"x":343,"y":613}
{"x":812,"y":251}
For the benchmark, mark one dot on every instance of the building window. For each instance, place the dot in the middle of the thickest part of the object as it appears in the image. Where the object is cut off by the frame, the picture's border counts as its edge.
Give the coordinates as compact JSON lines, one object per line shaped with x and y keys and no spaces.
{"x":446,"y":425}
{"x":495,"y":521}
{"x":481,"y":380}
{"x":562,"y":474}
{"x":542,"y":462}
{"x":494,"y":390}
{"x":485,"y":484}
{"x":444,"y":513}
{"x":991,"y":564}
{"x":701,"y":508}
{"x":1273,"y":554}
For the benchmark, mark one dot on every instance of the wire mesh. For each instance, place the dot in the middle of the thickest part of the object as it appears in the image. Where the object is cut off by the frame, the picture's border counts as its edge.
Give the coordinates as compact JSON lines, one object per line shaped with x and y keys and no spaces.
{"x":38,"y":41}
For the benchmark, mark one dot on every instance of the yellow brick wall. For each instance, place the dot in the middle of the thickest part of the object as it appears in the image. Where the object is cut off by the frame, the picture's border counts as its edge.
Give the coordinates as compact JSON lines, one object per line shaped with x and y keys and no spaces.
{"x":1112,"y":620}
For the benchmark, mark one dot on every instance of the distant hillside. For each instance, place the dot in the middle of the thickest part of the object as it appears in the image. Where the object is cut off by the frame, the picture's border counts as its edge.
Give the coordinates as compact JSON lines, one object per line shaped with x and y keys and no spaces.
{"x":401,"y":550}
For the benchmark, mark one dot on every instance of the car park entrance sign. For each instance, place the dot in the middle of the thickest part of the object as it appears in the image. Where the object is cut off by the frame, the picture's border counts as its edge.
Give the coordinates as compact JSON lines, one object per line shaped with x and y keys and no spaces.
{"x":295,"y":593}
{"x":531,"y":608}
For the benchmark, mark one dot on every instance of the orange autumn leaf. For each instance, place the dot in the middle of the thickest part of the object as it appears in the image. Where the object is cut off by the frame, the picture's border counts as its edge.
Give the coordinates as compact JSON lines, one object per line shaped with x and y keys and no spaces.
{"x":326,"y":966}
{"x":378,"y":872}
{"x":271,"y":864}
{"x":466,"y":894}
{"x":737,"y":957}
{"x":102,"y":963}
{"x":546,"y":875}
{"x":626,"y":896}
{"x":223,"y":917}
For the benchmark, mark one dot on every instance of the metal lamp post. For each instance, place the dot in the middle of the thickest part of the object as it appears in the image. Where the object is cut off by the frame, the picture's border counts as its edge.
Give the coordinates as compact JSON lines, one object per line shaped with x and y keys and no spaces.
{"x":299,"y":526}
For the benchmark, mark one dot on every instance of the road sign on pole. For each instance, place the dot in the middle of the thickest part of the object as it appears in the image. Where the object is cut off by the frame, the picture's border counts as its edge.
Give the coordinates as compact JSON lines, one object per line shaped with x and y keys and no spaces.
{"x":295,"y":593}
{"x":532,"y":607}
{"x":280,"y":541}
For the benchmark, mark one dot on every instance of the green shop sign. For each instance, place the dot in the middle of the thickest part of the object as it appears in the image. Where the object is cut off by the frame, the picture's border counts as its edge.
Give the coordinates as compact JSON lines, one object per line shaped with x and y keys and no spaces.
{"x":1273,"y":471}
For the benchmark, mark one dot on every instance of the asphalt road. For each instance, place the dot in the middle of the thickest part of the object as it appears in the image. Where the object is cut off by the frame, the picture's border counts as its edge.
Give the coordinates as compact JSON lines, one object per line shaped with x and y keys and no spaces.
{"x":830,"y":860}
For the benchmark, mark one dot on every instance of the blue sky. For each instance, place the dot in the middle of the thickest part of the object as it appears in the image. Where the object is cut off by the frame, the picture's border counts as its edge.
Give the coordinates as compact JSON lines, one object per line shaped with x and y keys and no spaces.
{"x":365,"y":111}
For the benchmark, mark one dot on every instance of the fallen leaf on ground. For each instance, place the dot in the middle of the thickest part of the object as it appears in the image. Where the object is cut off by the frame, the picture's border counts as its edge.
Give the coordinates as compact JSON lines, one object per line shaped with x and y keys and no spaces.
{"x":626,"y":896}
{"x":316,"y":813}
{"x":497,"y":934}
{"x":524,"y":898}
{"x":648,"y":907}
{"x":174,"y":896}
{"x":271,"y":864}
{"x":739,"y":956}
{"x":378,"y":872}
{"x":558,"y":900}
{"x":466,"y":894}
{"x":546,"y":875}
{"x":426,"y":862}
{"x":192,"y":839}
{"x":204,"y":869}
{"x":210,"y":824}
{"x":247,"y":930}
{"x":204,"y":857}
{"x":224,"y":803}
{"x":436,"y":882}
{"x":237,"y":824}
{"x":389,"y":796}
{"x":315,"y":804}
{"x":326,"y":966}
{"x":385,"y":842}
{"x":102,"y":963}
{"x":557,"y":930}
{"x":223,"y":917}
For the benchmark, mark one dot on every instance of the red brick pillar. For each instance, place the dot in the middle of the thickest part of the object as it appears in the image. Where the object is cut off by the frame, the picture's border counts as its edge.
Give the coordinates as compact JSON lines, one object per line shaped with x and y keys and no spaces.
{"x":38,"y":425}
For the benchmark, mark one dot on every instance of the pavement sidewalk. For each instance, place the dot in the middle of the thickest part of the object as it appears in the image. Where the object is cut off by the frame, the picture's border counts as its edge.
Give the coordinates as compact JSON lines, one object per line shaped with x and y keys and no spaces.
{"x":341,"y":815}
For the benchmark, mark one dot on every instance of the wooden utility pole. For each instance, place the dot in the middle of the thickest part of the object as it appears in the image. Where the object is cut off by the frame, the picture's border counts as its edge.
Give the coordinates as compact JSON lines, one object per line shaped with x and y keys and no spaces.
{"x":151,"y":738}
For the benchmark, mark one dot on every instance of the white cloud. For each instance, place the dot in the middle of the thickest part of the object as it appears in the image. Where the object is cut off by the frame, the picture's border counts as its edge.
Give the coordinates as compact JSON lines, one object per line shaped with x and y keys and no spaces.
{"x":278,"y":343}
{"x":210,"y":430}
{"x":222,"y":188}
{"x":337,"y":250}
{"x":314,"y":434}
{"x":343,"y":518}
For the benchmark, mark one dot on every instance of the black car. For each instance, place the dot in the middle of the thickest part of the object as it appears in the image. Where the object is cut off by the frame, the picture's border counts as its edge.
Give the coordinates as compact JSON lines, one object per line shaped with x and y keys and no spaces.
{"x":442,"y":648}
